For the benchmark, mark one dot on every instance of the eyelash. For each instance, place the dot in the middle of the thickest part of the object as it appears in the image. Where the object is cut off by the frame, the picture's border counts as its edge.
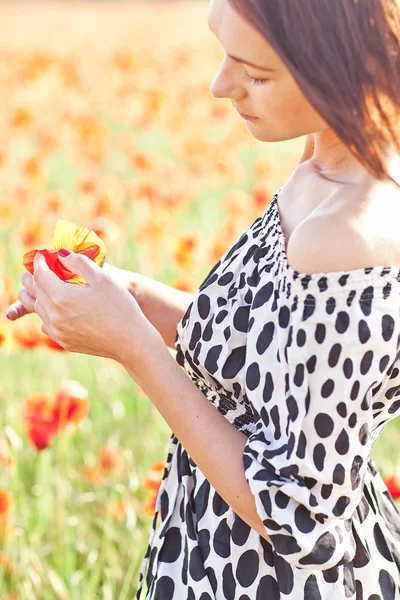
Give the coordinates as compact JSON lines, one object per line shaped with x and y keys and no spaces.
{"x":253,"y":80}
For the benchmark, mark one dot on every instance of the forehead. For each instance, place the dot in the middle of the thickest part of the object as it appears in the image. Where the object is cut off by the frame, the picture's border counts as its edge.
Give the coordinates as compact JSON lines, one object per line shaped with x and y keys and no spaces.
{"x":222,"y":15}
{"x":238,"y":36}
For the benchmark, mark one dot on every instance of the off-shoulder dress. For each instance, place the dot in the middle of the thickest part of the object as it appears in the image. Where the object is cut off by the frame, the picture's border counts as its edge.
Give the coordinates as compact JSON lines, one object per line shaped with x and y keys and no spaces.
{"x":307,"y":366}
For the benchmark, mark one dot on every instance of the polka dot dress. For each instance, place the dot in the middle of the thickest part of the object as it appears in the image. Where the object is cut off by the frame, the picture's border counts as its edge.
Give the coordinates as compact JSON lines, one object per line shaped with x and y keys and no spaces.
{"x":308,"y":368}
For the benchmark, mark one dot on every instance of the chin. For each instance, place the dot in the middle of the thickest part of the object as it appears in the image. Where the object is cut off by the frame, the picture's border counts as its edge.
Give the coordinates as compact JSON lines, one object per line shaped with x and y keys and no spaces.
{"x":266,"y":136}
{"x":269,"y":136}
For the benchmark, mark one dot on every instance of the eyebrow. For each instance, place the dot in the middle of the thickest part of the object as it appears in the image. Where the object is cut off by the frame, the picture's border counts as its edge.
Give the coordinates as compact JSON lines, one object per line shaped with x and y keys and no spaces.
{"x":246,"y":62}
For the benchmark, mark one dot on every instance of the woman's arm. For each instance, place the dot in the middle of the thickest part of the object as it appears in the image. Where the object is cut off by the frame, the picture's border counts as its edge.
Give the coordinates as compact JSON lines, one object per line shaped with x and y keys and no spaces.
{"x":214,"y":444}
{"x":163,"y":306}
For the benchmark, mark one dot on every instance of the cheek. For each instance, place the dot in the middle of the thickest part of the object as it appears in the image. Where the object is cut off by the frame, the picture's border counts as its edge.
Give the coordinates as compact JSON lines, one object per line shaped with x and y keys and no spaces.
{"x":286,"y":114}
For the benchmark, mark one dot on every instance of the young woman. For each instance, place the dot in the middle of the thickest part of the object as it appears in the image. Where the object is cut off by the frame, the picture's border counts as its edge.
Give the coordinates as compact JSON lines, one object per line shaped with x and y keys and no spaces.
{"x":291,"y":346}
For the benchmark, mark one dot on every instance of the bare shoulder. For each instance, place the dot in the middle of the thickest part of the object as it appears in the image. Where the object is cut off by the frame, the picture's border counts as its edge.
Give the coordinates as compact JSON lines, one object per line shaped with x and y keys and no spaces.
{"x":347,"y":241}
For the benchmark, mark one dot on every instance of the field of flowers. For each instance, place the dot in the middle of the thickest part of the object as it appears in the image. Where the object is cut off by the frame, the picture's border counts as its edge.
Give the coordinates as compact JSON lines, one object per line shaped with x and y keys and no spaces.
{"x":107,"y":120}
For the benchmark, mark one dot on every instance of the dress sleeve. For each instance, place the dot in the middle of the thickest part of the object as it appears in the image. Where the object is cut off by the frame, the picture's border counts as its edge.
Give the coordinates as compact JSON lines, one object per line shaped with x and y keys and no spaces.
{"x":306,"y":461}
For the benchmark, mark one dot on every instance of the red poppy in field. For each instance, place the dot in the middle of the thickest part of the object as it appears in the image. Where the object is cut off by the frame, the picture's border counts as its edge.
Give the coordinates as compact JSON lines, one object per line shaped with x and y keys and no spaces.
{"x":5,"y":501}
{"x":38,"y":416}
{"x":71,"y":405}
{"x":152,"y":483}
{"x":47,"y":341}
{"x":393,"y":485}
{"x":45,"y":416}
{"x":27,"y":335}
{"x":75,"y":238}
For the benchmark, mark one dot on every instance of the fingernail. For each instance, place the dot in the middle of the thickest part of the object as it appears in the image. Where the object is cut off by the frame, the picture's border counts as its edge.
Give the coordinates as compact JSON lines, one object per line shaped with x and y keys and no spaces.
{"x":64,"y":252}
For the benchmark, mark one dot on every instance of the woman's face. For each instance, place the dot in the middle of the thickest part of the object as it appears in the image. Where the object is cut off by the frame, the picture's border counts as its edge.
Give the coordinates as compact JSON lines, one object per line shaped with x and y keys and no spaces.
{"x":271,"y":95}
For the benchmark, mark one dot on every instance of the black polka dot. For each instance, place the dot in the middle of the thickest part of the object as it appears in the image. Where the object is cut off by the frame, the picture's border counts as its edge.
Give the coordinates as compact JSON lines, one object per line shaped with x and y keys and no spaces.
{"x":284,"y":574}
{"x":228,"y":582}
{"x":165,"y":588}
{"x":342,"y":443}
{"x":164,"y":504}
{"x":268,"y":588}
{"x":204,"y":543}
{"x":263,"y":295}
{"x":203,"y":305}
{"x":326,"y":490}
{"x":234,"y":363}
{"x":331,"y":575}
{"x":322,"y":551}
{"x":311,"y":589}
{"x":342,"y":322}
{"x":219,"y":505}
{"x":201,"y":499}
{"x":241,"y":318}
{"x":363,"y":434}
{"x":172,"y":545}
{"x":185,"y":564}
{"x":253,"y":376}
{"x":221,"y":539}
{"x":284,"y":544}
{"x":340,"y":506}
{"x":323,"y":424}
{"x":303,"y":520}
{"x":208,"y":330}
{"x":319,"y":456}
{"x":240,"y":531}
{"x":387,"y":585}
{"x":352,"y":420}
{"x":301,"y":445}
{"x":281,"y":499}
{"x":196,"y":565}
{"x":211,"y":360}
{"x":247,"y":568}
{"x":338,"y":474}
{"x":189,"y":520}
{"x":225,"y":279}
{"x":221,"y":316}
{"x":381,"y":543}
{"x":355,"y":471}
{"x":212,"y":579}
{"x":265,"y":338}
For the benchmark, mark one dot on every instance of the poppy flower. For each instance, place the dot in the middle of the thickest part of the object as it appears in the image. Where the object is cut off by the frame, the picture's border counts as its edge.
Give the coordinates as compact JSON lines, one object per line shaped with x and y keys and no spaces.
{"x":393,"y":486}
{"x":152,"y":484}
{"x":75,"y":238}
{"x":38,"y":416}
{"x":45,"y":415}
{"x":71,"y":405}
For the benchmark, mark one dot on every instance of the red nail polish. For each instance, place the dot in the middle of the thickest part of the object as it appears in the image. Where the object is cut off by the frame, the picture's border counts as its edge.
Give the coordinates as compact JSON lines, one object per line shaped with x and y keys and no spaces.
{"x":64,"y":252}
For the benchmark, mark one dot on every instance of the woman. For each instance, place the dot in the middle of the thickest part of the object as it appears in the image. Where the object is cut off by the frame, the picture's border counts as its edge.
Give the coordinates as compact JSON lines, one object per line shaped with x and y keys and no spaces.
{"x":294,"y":336}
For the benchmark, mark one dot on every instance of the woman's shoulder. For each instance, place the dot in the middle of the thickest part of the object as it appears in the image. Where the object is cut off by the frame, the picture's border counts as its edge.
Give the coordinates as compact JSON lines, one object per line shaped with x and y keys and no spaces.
{"x":345,"y":240}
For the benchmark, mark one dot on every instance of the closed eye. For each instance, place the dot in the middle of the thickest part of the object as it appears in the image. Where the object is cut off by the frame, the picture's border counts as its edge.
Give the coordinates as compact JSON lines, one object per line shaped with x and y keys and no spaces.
{"x":254,"y":80}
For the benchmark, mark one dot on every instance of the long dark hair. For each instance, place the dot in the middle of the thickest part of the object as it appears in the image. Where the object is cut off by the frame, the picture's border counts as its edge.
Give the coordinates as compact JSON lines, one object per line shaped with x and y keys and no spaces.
{"x":345,"y":58}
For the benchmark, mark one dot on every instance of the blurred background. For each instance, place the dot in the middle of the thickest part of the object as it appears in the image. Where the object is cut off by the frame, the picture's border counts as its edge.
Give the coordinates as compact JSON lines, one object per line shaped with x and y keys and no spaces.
{"x":107,"y":120}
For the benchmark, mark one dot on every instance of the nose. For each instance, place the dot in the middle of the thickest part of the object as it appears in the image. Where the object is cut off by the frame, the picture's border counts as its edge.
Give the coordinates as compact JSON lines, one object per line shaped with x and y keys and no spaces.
{"x":225,"y":85}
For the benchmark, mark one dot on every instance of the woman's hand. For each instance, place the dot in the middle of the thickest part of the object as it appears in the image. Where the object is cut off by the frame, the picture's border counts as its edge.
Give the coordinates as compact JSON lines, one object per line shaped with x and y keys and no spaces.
{"x":100,"y":318}
{"x":26,"y":300}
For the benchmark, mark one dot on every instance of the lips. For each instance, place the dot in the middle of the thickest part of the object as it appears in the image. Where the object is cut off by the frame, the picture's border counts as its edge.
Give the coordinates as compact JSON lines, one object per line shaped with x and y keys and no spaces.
{"x":245,"y":115}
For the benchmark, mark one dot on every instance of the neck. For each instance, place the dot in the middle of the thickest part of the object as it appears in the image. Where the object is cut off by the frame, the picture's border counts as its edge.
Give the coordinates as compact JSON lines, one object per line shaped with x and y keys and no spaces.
{"x":330,"y":158}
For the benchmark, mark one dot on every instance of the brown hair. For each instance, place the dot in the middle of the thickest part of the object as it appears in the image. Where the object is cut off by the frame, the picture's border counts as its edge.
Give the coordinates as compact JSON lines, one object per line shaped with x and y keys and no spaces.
{"x":344,"y":56}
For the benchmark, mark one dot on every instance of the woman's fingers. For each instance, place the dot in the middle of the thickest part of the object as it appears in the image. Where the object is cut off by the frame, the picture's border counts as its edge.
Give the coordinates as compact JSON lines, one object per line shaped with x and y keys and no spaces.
{"x":26,"y":300}
{"x":16,"y":311}
{"x":27,"y":282}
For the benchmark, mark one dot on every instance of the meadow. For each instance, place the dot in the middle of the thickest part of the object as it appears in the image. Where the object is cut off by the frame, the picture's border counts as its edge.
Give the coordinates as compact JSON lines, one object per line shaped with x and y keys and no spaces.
{"x":107,"y":120}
